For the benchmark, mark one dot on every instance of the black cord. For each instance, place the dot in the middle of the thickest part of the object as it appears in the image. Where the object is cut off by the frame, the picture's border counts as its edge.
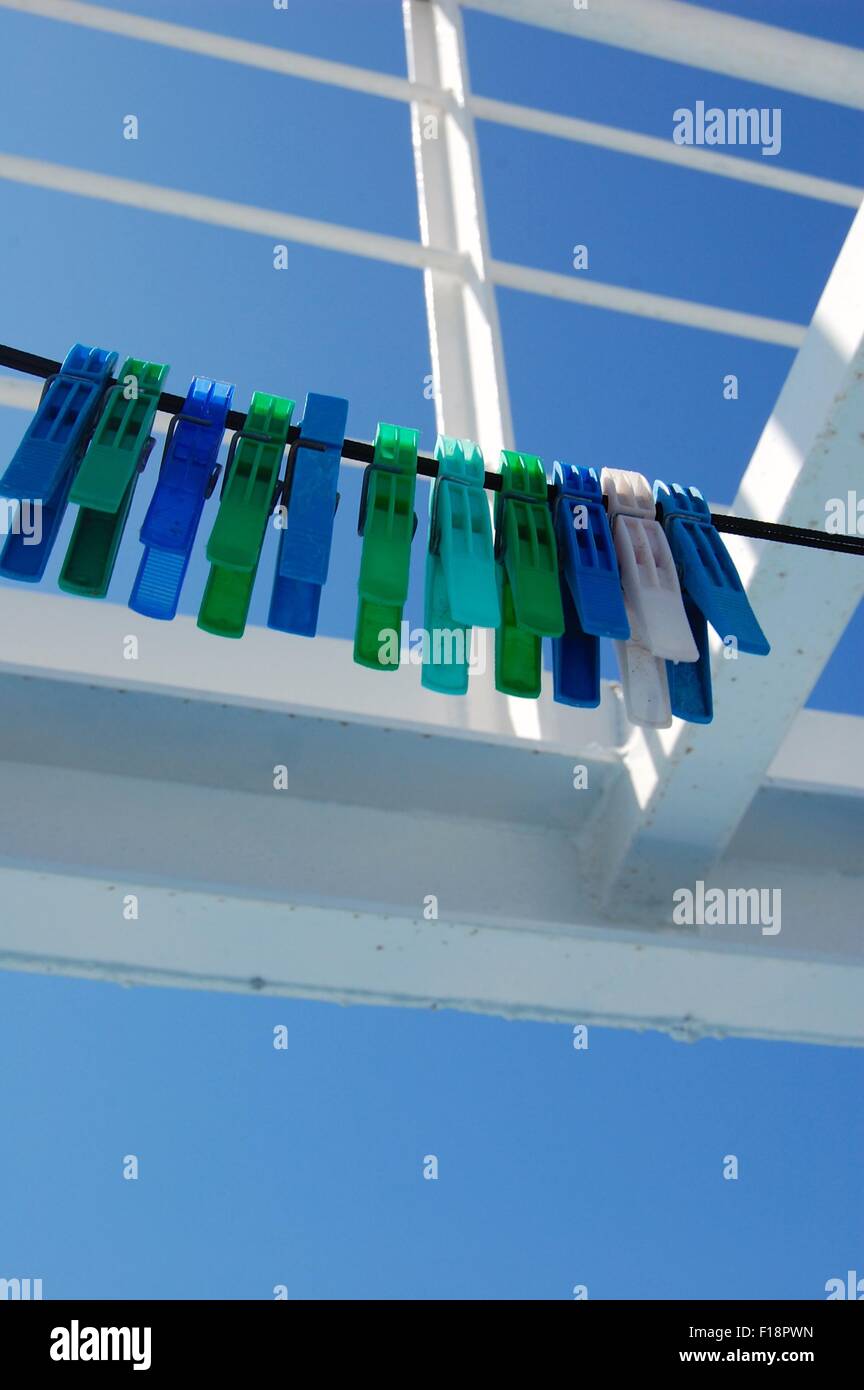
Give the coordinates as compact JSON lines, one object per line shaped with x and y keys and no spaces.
{"x":32,"y":365}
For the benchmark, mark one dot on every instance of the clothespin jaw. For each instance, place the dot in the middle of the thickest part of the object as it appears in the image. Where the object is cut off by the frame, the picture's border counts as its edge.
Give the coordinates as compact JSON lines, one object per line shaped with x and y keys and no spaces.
{"x":707,"y":571}
{"x":652,"y":594}
{"x":575,"y":660}
{"x":387,"y":524}
{"x":590,"y":586}
{"x":528,"y":577}
{"x":249,"y":491}
{"x":461,"y":589}
{"x":588,"y":559}
{"x":89,"y":562}
{"x":186,"y":479}
{"x":120,"y":439}
{"x":310,"y":499}
{"x":645,"y":686}
{"x":116,"y":455}
{"x":659,"y":626}
{"x":690,"y":693}
{"x":44,"y":463}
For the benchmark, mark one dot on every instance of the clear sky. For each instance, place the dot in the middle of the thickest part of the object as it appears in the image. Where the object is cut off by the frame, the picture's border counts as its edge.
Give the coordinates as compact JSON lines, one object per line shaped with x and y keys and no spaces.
{"x":304,"y":1167}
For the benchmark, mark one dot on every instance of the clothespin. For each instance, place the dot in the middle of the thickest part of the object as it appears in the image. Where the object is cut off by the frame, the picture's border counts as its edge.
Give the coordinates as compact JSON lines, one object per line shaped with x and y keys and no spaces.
{"x":121,"y":438}
{"x":250,"y":490}
{"x":44,"y":463}
{"x":186,"y":479}
{"x":460,"y":589}
{"x":528,"y":581}
{"x":659,"y":628}
{"x":310,"y":499}
{"x":590,"y":585}
{"x":712,"y":592}
{"x":387,"y":524}
{"x":105,"y":483}
{"x":707,"y":570}
{"x":690,"y":693}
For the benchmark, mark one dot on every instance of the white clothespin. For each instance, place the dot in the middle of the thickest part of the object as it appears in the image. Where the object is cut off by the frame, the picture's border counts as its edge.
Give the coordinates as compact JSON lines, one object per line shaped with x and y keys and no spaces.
{"x":659,"y":629}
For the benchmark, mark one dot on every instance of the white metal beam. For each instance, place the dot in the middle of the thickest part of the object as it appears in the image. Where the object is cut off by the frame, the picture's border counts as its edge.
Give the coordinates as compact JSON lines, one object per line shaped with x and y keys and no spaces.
{"x":468,"y":372}
{"x":393,"y":795}
{"x":703,"y":38}
{"x":66,"y":924}
{"x":265,"y":57}
{"x":223,"y":47}
{"x":663,"y":308}
{"x":221,"y":212}
{"x":694,"y":157}
{"x":690,"y":786}
{"x":20,"y":392}
{"x":463,"y":301}
{"x":83,"y":643}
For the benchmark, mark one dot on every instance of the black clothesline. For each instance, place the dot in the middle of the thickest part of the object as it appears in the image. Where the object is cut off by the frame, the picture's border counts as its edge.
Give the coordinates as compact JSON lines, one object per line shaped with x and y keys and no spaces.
{"x":356,"y":449}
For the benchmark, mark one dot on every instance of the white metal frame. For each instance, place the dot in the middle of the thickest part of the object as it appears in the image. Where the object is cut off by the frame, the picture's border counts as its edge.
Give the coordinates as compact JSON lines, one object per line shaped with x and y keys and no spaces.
{"x":423,"y":851}
{"x":591,"y":938}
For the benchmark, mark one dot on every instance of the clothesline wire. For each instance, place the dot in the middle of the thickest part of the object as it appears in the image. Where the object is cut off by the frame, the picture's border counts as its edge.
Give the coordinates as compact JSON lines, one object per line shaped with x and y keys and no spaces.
{"x":33,"y":365}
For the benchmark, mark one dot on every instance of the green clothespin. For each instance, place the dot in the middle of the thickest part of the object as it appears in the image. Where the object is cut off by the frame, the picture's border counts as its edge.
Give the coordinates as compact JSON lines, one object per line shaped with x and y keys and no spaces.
{"x":528,"y":579}
{"x":248,"y":494}
{"x":118,"y":451}
{"x":387,"y":524}
{"x":120,"y":437}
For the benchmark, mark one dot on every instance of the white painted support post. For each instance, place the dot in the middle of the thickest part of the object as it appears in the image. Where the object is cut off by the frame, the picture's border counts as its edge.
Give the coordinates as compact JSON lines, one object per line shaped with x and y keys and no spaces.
{"x":690,"y":786}
{"x":468,"y":373}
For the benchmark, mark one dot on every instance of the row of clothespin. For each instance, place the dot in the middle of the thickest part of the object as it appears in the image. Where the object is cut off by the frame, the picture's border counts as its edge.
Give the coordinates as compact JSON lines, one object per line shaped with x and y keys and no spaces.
{"x":608,"y":558}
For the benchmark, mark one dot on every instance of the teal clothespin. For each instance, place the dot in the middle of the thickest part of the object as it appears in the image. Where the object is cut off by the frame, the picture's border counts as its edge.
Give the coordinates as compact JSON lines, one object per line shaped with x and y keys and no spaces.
{"x":387,"y":524}
{"x":528,"y":578}
{"x":461,"y":591}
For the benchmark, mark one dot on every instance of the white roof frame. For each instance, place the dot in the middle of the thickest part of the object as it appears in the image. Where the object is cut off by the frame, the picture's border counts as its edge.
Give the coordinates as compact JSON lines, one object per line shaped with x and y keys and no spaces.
{"x":554,"y":907}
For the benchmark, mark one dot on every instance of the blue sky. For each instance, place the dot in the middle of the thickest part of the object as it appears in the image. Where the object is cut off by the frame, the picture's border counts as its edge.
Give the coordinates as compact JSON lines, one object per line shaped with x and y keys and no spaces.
{"x":304,"y":1167}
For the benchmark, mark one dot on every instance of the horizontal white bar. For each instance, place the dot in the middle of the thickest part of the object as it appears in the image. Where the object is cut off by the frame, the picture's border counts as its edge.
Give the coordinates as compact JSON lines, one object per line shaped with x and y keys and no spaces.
{"x":695,"y":157}
{"x":66,"y":924}
{"x":488,"y":821}
{"x":20,"y":393}
{"x":72,"y":641}
{"x":267,"y":57}
{"x":395,"y":250}
{"x":821,"y":750}
{"x":77,"y":641}
{"x":646,"y":305}
{"x":219,"y":212}
{"x":703,"y":38}
{"x":345,"y":75}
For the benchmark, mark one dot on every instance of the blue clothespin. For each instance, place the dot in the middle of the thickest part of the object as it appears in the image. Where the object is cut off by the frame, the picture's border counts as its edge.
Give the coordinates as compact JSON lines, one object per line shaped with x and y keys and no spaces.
{"x":45,"y":461}
{"x":712,"y":593}
{"x":310,"y":499}
{"x":186,"y":479}
{"x":590,"y":586}
{"x":690,"y":693}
